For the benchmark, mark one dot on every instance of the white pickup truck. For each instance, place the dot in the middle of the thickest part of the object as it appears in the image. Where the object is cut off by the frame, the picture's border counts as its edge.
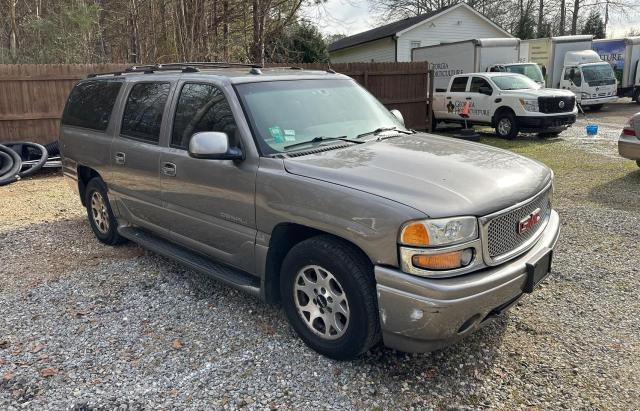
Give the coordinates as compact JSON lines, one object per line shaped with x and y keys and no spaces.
{"x":508,"y":102}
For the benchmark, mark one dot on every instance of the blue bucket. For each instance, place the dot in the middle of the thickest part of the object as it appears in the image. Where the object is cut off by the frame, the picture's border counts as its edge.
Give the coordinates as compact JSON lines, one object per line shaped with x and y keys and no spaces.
{"x":592,"y":129}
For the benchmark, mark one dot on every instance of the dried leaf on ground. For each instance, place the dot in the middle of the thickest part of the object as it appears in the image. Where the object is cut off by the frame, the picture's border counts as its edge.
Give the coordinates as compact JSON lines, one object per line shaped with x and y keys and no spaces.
{"x":48,"y":372}
{"x":177,"y":344}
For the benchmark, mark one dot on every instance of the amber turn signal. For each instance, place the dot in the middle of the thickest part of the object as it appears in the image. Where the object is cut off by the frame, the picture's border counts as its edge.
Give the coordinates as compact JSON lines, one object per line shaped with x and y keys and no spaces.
{"x":415,"y":234}
{"x":444,"y":261}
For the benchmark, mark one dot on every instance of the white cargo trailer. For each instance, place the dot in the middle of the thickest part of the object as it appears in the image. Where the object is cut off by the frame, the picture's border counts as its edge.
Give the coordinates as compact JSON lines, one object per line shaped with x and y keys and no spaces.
{"x":624,"y":57}
{"x":469,"y":56}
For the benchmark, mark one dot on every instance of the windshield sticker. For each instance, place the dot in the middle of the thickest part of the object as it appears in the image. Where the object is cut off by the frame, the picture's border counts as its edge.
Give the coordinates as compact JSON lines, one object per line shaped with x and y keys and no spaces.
{"x":276,"y":133}
{"x":289,"y":135}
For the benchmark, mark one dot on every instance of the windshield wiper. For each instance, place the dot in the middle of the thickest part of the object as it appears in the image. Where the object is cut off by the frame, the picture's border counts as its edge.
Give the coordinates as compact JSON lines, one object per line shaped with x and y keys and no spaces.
{"x":317,"y":140}
{"x":383,"y":129}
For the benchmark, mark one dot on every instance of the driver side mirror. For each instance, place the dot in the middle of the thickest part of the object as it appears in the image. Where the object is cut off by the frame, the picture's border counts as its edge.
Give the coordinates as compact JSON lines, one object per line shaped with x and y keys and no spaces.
{"x":398,"y":115}
{"x":485,"y":90}
{"x":213,"y":145}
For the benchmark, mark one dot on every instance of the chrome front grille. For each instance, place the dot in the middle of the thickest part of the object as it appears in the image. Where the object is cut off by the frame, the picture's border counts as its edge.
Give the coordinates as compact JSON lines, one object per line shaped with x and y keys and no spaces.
{"x":501,"y":237}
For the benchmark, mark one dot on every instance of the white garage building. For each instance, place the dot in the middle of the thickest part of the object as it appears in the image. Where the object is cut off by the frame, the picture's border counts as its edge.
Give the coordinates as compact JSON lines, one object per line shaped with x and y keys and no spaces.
{"x":393,"y":42}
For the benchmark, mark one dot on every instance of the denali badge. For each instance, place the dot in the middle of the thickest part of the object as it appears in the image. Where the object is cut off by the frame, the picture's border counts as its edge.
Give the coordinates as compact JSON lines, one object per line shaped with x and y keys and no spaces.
{"x":561,"y":104}
{"x":529,"y":221}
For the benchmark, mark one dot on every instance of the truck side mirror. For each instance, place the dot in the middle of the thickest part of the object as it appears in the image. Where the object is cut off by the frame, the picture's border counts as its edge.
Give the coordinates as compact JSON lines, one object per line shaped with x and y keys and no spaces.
{"x":398,"y":115}
{"x":213,"y":145}
{"x":485,"y":90}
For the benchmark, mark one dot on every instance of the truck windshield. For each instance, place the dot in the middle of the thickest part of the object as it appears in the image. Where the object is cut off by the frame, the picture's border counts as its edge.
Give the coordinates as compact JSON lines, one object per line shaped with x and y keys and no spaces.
{"x":515,"y":82}
{"x":598,"y":74}
{"x":284,"y":114}
{"x":530,"y":70}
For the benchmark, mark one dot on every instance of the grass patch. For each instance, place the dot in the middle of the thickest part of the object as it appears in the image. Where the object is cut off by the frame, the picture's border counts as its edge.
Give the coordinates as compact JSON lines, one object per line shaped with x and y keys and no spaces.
{"x":582,"y":176}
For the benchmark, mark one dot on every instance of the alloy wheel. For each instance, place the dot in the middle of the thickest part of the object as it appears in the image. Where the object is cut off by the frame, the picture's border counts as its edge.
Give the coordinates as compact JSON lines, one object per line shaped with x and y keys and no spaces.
{"x":321,"y":302}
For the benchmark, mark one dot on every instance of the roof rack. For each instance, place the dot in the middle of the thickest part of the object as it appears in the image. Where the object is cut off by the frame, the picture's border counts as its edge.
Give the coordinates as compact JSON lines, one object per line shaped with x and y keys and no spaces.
{"x":190,"y":67}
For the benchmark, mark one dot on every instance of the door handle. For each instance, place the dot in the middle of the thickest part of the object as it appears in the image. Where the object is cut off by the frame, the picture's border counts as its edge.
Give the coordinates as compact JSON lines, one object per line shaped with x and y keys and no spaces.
{"x":448,"y":98}
{"x":468,"y":98}
{"x":120,"y":158}
{"x":169,"y":169}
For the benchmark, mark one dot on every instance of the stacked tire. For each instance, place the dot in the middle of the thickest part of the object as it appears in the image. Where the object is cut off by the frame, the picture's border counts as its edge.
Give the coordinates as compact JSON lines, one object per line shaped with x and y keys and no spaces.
{"x":11,"y":165}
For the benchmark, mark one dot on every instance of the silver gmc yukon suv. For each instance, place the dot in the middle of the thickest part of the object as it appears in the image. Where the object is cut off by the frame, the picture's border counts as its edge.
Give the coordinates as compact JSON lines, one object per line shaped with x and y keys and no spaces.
{"x":301,"y":188}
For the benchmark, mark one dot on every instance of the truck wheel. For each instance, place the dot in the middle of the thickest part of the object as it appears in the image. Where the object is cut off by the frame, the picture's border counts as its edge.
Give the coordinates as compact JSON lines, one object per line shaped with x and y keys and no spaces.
{"x":636,"y":95}
{"x":329,"y":296}
{"x":596,"y":107}
{"x":101,"y":218}
{"x":506,"y":126}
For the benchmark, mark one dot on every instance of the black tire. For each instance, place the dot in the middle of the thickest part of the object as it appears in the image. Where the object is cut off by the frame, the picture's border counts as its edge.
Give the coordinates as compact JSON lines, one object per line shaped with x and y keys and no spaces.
{"x":512,"y":131}
{"x":549,"y":134}
{"x":434,"y":123}
{"x":636,"y":95}
{"x":106,"y":233}
{"x":638,"y":163}
{"x":53,"y":149}
{"x":10,"y":175}
{"x":354,"y":274}
{"x":596,"y":107}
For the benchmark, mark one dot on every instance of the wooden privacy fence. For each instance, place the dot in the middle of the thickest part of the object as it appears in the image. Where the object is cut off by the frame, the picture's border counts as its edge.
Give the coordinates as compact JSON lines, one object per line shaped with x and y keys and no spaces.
{"x":32,"y":96}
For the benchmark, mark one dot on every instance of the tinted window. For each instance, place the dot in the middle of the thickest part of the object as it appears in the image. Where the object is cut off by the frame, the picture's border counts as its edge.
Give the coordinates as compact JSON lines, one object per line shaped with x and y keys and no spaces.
{"x":90,"y":104}
{"x":476,"y":83}
{"x":459,"y":84}
{"x":201,"y":107}
{"x":143,"y":113}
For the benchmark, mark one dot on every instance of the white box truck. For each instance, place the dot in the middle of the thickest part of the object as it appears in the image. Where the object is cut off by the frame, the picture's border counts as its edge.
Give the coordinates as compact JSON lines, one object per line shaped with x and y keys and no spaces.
{"x":468,"y":56}
{"x":624,"y":57}
{"x":561,"y":56}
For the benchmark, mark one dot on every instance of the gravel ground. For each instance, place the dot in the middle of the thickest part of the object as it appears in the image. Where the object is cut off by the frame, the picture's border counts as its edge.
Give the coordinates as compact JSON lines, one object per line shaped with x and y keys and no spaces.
{"x":87,"y":326}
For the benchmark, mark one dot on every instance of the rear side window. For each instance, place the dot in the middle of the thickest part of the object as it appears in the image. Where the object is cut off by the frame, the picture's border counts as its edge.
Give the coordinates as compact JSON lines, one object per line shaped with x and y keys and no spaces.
{"x":201,"y":107}
{"x":142,"y":116}
{"x":459,"y":84}
{"x":90,"y":104}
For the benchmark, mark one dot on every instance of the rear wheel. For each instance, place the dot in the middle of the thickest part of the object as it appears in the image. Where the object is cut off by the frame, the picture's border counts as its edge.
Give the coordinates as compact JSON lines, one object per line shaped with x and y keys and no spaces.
{"x":328,"y":294}
{"x":101,"y":218}
{"x":506,"y":126}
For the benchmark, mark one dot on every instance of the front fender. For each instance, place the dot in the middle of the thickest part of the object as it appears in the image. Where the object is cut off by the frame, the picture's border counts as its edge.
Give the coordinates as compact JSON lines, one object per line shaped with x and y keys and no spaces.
{"x":370,"y":222}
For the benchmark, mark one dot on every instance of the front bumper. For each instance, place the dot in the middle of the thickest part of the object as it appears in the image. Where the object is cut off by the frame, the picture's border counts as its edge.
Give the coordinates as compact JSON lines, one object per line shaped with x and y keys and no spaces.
{"x":549,"y":123}
{"x":421,"y":314}
{"x":584,"y":102}
{"x":629,"y":147}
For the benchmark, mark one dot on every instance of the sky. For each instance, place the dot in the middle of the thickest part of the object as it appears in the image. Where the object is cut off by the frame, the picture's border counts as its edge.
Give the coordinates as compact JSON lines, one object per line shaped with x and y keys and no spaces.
{"x":352,"y":16}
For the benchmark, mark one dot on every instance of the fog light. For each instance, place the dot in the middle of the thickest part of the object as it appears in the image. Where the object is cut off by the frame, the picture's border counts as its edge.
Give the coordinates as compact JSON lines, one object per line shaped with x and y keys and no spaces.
{"x":444,"y":261}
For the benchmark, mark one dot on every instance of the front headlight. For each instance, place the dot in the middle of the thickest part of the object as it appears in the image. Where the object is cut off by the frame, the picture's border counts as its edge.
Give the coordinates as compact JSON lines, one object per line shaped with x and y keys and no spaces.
{"x":439,"y":232}
{"x":440,"y":247}
{"x":529,"y":105}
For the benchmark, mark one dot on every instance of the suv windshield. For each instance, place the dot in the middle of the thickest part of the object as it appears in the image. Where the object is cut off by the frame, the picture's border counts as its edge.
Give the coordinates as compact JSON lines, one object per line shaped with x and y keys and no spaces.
{"x":598,"y":74}
{"x":287,"y":113}
{"x":530,"y":70}
{"x":515,"y":82}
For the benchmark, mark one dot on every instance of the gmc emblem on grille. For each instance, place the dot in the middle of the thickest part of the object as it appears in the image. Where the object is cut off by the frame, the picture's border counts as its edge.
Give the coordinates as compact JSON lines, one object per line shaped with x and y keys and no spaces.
{"x":530,"y":221}
{"x":561,"y":104}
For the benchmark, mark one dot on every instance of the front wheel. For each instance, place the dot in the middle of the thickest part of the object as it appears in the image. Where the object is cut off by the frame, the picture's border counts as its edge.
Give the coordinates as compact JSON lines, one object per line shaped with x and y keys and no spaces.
{"x":328,"y":294}
{"x":506,"y":126}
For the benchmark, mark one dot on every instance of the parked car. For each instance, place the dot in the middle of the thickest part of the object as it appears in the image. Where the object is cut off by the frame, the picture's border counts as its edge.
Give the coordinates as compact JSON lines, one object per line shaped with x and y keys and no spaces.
{"x":508,"y":102}
{"x":300,"y":187}
{"x":629,"y":142}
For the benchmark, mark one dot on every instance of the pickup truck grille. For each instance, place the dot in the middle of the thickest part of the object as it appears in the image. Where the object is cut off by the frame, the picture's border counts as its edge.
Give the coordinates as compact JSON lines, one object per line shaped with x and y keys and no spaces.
{"x":502,"y":237}
{"x":552,"y":104}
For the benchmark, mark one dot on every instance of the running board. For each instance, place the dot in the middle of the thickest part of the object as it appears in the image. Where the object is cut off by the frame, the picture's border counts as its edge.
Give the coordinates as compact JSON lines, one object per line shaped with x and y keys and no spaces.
{"x":227,"y":275}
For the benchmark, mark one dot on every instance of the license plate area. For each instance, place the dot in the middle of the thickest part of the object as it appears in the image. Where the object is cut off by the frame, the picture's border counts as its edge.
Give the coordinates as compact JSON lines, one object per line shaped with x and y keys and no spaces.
{"x":537,"y":270}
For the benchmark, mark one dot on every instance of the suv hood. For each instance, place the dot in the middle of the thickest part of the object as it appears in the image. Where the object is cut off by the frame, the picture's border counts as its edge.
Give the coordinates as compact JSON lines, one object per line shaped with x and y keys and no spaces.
{"x":439,"y":176}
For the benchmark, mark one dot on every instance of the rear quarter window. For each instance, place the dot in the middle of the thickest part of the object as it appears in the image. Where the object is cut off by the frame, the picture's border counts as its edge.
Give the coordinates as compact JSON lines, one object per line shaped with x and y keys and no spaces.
{"x":90,"y":104}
